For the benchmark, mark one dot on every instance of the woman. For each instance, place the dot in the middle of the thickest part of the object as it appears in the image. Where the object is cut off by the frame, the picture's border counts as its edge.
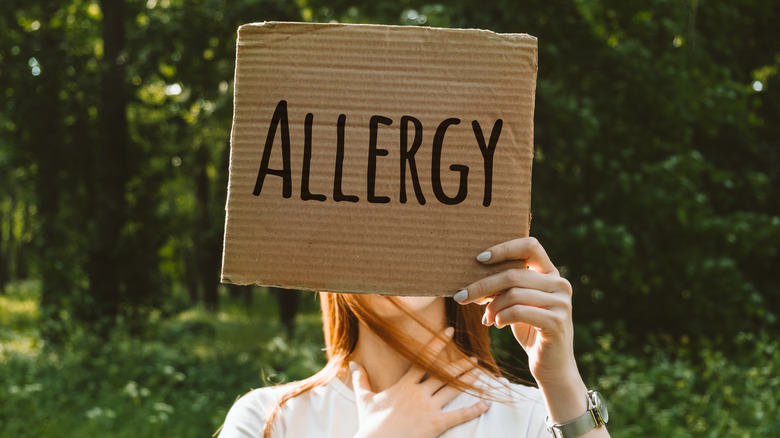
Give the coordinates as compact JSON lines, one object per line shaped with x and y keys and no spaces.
{"x":421,"y":367}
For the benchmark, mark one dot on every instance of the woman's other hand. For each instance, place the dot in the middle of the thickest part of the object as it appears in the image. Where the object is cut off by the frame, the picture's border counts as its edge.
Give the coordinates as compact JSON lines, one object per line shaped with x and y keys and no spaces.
{"x":413,"y":407}
{"x":536,"y":304}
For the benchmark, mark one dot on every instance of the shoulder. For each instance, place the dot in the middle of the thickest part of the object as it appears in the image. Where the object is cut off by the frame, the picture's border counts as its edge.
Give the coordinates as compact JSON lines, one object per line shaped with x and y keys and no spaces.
{"x":247,"y":416}
{"x":524,"y":404}
{"x":517,"y":410}
{"x":502,"y":389}
{"x":528,"y":393}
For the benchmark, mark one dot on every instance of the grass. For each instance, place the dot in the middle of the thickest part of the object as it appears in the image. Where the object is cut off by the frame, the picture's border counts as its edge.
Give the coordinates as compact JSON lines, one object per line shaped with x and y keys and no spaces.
{"x":176,"y":380}
{"x":180,"y":377}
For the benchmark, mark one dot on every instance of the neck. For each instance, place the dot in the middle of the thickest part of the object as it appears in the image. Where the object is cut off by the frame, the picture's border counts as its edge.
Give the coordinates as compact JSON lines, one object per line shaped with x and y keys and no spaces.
{"x":383,"y":364}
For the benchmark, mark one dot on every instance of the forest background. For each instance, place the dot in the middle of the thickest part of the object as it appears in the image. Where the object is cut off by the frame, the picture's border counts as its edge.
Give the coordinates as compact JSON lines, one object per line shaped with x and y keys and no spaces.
{"x":656,"y":176}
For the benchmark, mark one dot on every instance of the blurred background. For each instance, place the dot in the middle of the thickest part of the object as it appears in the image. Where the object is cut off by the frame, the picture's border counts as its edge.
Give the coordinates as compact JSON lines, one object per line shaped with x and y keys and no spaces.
{"x":656,"y":177}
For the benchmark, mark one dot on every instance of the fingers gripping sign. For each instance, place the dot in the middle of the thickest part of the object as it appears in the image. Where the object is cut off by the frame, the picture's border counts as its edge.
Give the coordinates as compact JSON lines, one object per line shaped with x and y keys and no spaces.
{"x":413,"y":406}
{"x":535,"y":302}
{"x":528,"y":249}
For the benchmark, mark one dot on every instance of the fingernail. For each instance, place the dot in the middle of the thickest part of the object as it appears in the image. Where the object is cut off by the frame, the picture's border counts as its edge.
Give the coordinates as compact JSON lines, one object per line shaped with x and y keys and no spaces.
{"x":462,"y":295}
{"x":484,"y":256}
{"x":484,"y":319}
{"x":353,"y":366}
{"x":449,"y":331}
{"x":488,"y":402}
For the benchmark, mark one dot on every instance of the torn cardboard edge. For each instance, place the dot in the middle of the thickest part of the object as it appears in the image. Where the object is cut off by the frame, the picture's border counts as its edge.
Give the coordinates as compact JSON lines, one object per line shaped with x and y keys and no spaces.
{"x":377,"y":159}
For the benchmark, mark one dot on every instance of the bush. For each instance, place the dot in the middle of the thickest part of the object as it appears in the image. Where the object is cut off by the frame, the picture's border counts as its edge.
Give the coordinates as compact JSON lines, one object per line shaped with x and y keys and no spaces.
{"x":180,"y":376}
{"x":684,"y":390}
{"x":177,"y":379}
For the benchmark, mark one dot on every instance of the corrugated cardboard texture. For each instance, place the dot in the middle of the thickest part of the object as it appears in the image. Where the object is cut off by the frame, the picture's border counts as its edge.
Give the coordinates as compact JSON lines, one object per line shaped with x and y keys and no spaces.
{"x":344,"y":76}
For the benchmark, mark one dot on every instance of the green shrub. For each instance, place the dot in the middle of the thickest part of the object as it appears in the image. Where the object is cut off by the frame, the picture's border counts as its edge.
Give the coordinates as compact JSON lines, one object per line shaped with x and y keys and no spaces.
{"x":181,"y":376}
{"x":177,"y":379}
{"x":690,"y":391}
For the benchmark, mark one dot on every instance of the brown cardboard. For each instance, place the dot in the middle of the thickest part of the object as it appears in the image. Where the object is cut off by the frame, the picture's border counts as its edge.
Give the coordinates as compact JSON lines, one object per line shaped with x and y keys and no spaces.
{"x":377,"y":244}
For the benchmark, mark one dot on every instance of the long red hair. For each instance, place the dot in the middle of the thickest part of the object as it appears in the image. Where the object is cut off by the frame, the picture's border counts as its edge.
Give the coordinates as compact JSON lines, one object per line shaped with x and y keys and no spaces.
{"x":343,"y":313}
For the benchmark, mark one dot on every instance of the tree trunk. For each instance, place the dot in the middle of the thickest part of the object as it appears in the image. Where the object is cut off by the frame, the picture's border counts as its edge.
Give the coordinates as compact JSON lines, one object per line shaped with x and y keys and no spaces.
{"x":4,"y":252}
{"x":288,"y":308}
{"x":110,"y":171}
{"x":7,"y":223}
{"x":22,"y":256}
{"x":191,"y":276}
{"x":5,"y":232}
{"x":208,"y":246}
{"x":46,"y":141}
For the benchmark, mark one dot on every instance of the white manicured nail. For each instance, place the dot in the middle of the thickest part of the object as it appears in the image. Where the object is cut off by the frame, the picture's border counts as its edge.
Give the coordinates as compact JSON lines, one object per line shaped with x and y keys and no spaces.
{"x":484,"y":256}
{"x":353,"y":366}
{"x":462,"y":295}
{"x":484,"y":319}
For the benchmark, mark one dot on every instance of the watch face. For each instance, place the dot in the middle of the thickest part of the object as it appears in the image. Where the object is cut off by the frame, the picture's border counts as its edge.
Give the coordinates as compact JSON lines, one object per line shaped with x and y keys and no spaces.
{"x":601,"y":406}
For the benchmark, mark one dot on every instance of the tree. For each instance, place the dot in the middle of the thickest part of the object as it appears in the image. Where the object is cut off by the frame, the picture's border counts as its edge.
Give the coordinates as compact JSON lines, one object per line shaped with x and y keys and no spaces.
{"x":655,"y":154}
{"x":34,"y":132}
{"x":656,"y":157}
{"x":119,"y":112}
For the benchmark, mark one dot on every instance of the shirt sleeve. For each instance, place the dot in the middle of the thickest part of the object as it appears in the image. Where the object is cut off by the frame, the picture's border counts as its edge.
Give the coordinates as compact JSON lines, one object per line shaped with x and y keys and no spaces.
{"x":246,"y":419}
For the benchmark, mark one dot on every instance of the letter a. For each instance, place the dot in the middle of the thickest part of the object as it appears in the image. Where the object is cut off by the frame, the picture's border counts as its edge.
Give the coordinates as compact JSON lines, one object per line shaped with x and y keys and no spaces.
{"x":280,"y":116}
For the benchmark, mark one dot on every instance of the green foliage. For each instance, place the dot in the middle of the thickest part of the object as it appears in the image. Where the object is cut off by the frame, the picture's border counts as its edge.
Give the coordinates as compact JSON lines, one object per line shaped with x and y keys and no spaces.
{"x":689,"y":390}
{"x":655,"y":183}
{"x":116,"y":222}
{"x":655,"y":151}
{"x":178,"y":378}
{"x":656,"y":155}
{"x":182,"y":375}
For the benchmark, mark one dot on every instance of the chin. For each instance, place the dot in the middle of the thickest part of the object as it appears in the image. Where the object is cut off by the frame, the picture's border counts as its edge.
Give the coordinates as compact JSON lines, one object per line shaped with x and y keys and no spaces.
{"x":418,"y":305}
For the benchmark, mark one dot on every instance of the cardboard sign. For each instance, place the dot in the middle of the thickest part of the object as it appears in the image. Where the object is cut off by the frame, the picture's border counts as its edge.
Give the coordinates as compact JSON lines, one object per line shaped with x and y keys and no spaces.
{"x":377,"y":159}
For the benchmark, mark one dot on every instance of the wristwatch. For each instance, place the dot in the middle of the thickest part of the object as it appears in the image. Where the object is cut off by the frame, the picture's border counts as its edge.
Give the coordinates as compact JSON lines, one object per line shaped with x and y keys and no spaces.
{"x":595,"y":416}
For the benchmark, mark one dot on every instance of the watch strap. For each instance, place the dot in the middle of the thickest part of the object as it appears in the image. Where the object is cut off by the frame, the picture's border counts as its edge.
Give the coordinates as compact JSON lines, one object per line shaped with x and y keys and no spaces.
{"x":586,"y":422}
{"x":583,"y":424}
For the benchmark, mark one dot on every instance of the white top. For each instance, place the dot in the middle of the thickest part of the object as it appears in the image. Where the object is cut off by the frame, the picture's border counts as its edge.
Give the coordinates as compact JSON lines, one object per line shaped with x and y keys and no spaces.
{"x":330,"y":411}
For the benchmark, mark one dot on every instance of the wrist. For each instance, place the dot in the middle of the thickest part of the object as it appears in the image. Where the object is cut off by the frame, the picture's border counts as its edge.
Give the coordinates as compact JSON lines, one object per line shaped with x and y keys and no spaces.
{"x":566,"y":398}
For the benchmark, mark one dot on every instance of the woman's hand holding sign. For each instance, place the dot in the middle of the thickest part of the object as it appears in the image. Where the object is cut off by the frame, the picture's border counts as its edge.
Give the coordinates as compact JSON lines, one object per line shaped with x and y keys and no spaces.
{"x":536,"y":304}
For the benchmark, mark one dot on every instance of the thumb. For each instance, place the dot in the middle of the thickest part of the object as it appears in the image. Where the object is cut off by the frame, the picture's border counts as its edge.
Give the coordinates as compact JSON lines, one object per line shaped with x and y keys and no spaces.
{"x":360,"y":382}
